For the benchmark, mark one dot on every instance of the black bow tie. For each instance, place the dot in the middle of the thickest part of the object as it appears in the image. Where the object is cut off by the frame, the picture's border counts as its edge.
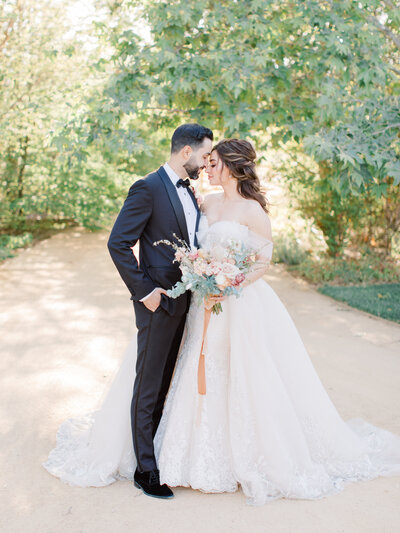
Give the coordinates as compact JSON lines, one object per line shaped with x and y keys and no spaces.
{"x":183,"y":183}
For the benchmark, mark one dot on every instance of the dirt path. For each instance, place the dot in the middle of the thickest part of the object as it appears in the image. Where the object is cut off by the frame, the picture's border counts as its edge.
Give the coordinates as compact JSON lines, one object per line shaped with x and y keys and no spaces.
{"x":65,"y":320}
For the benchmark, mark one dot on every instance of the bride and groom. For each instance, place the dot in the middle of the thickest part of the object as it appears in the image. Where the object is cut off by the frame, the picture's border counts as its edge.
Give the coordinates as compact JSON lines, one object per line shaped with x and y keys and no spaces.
{"x":266,"y":422}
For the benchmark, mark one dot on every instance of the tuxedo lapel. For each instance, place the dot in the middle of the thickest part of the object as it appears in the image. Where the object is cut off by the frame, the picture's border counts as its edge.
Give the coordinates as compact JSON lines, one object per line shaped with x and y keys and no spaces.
{"x":175,"y":202}
{"x":198,"y":214}
{"x":192,"y":196}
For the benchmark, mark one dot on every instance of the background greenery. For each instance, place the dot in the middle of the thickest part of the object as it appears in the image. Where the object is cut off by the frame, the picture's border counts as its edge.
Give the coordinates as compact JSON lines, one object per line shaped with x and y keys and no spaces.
{"x":380,"y":300}
{"x":86,"y":108}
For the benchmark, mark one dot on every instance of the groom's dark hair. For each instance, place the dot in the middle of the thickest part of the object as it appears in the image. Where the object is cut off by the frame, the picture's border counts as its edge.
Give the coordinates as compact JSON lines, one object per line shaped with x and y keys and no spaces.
{"x":189,"y":135}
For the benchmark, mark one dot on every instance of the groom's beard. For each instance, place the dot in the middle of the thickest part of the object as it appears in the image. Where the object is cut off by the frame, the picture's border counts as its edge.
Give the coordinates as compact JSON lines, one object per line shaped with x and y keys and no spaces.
{"x":193,"y":171}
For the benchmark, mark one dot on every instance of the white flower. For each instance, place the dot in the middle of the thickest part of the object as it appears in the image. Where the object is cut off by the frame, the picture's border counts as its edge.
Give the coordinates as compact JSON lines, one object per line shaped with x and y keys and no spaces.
{"x":218,"y":252}
{"x":220,"y":280}
{"x":230,"y":270}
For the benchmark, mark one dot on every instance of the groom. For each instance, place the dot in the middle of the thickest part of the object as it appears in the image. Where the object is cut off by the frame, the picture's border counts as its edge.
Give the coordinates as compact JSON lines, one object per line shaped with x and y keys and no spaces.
{"x":158,"y":206}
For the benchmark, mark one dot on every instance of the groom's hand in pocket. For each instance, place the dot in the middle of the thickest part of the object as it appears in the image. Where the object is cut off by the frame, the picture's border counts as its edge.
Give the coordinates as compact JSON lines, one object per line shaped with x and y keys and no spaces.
{"x":152,"y":301}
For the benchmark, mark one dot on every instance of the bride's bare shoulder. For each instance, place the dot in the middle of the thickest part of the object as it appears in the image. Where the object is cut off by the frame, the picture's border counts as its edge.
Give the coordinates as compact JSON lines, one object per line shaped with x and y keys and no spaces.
{"x":210,"y":200}
{"x":258,"y":220}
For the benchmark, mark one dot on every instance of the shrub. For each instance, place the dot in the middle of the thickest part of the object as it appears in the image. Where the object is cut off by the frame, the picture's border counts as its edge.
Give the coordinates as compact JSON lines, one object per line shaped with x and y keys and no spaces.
{"x":379,"y":300}
{"x":12,"y":242}
{"x":369,"y":268}
{"x":288,"y":250}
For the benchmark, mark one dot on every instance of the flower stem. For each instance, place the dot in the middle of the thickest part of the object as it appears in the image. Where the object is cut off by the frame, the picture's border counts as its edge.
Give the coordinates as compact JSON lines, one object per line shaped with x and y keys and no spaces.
{"x":217,"y":308}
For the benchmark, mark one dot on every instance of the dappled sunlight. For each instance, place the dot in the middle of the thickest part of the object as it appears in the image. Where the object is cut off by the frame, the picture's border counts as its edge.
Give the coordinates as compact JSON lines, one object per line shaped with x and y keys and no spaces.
{"x":22,"y":502}
{"x":69,"y":379}
{"x":86,"y":108}
{"x":7,"y":418}
{"x":331,"y":314}
{"x":65,"y":333}
{"x":67,"y":328}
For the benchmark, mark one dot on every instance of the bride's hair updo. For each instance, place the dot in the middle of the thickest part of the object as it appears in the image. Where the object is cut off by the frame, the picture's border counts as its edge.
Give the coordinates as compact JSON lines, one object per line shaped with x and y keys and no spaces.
{"x":239,"y":156}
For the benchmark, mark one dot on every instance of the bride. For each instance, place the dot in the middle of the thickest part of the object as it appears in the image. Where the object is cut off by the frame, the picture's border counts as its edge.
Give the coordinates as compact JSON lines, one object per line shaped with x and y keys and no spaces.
{"x":266,"y":422}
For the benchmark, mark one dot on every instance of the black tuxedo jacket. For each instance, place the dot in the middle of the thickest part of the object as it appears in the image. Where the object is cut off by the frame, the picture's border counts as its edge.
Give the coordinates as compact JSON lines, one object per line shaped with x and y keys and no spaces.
{"x":152,"y":211}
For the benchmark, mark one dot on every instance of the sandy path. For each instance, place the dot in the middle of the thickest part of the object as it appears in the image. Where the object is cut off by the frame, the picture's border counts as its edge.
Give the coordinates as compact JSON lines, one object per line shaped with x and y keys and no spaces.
{"x":66,"y":318}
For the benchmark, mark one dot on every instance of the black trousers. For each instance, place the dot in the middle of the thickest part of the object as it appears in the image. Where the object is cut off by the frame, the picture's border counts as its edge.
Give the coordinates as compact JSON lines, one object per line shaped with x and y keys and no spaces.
{"x":159,"y":338}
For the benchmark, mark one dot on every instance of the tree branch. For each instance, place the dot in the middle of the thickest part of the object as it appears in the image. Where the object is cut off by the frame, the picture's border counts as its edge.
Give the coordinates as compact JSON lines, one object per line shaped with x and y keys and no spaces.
{"x":11,"y":106}
{"x":7,"y":33}
{"x":393,"y":37}
{"x":389,"y":127}
{"x":389,"y":4}
{"x":296,"y":160}
{"x":8,"y":30}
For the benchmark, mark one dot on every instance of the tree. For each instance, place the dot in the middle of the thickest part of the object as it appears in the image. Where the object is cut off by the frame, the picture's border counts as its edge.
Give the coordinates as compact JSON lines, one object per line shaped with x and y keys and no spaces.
{"x":45,"y":82}
{"x":312,"y":70}
{"x":320,"y":74}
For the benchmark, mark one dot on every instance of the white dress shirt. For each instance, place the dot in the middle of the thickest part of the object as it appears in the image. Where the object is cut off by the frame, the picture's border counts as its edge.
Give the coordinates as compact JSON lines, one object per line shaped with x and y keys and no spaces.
{"x":188,"y":208}
{"x":187,"y":203}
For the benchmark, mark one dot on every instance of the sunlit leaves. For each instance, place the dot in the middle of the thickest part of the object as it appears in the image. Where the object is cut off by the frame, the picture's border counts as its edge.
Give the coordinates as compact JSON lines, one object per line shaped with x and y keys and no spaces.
{"x":49,"y":137}
{"x":308,"y":69}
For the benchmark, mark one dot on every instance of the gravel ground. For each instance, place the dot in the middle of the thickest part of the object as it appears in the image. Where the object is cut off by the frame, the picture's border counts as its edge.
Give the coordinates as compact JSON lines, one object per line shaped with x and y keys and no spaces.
{"x":66,"y":319}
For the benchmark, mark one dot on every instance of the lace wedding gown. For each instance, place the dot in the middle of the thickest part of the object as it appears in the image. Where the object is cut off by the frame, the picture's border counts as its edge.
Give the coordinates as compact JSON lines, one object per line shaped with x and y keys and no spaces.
{"x":265,"y":423}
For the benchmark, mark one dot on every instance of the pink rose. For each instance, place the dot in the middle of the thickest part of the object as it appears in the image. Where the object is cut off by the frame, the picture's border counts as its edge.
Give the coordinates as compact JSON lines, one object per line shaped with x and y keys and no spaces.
{"x":230,"y":270}
{"x":193,"y":255}
{"x":199,"y":267}
{"x":239,"y":279}
{"x":197,"y":195}
{"x":216,"y":268}
{"x":199,"y":199}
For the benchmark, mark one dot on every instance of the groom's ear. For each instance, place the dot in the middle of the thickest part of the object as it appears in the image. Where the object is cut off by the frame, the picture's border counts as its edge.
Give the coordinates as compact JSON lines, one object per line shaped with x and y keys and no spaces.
{"x":186,"y":152}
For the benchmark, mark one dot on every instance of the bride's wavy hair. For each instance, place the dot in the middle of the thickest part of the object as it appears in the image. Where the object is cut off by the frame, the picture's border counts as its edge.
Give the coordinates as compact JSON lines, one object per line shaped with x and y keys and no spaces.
{"x":239,"y":156}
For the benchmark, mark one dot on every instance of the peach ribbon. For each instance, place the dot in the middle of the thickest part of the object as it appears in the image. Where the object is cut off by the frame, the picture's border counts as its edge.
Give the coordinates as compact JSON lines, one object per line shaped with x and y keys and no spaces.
{"x":201,"y":372}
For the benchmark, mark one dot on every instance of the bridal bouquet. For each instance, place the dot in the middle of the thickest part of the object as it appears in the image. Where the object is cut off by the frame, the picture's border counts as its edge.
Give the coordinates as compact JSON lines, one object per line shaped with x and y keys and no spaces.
{"x":217,"y":271}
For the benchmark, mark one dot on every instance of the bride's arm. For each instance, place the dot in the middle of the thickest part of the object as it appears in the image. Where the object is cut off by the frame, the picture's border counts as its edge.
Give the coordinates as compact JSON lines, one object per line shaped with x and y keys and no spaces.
{"x":257,"y":272}
{"x":259,"y":224}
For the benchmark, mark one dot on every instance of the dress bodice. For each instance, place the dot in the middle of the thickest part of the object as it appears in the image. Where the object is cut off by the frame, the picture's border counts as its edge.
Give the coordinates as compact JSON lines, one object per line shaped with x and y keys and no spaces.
{"x":223,"y":231}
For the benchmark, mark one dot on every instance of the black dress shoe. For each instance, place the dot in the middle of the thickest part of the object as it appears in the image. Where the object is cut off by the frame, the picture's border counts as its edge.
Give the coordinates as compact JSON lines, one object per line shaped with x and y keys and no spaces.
{"x":149,"y":482}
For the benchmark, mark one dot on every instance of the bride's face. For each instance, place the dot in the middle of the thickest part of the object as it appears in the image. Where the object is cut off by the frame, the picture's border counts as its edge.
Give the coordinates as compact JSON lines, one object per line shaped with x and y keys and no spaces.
{"x":218,"y":173}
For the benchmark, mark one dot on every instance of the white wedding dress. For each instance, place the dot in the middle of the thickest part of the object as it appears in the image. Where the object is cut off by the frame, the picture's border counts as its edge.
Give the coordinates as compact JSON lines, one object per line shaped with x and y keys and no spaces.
{"x":265,"y":423}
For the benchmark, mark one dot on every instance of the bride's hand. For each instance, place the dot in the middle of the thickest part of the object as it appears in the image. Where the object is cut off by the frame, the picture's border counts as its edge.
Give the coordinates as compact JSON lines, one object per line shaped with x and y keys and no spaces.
{"x":214,"y":299}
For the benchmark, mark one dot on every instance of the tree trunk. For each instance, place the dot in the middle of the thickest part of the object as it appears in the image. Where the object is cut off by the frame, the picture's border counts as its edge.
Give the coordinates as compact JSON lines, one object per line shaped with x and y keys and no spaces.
{"x":21,"y":170}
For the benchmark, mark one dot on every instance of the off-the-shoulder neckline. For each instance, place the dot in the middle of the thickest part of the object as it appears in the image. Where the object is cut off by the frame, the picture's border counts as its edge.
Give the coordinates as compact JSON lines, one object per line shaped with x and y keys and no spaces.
{"x":238,"y":224}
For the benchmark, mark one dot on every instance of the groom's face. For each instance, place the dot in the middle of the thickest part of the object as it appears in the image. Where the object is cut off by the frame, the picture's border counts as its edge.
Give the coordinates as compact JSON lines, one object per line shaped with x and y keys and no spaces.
{"x":198,"y":159}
